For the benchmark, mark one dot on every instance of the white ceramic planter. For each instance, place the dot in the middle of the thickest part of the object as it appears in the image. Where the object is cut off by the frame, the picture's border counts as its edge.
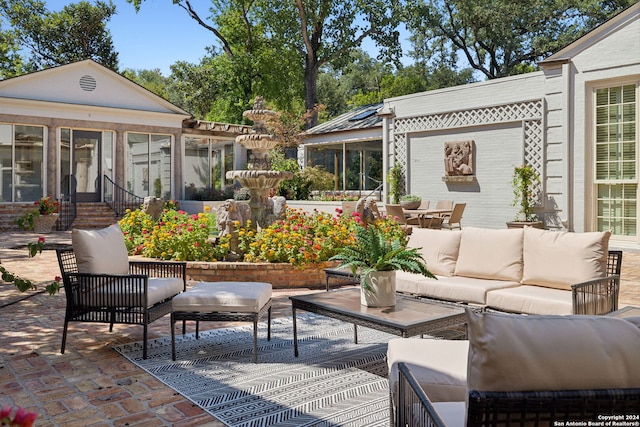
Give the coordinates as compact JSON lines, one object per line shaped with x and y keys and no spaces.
{"x":383,"y":289}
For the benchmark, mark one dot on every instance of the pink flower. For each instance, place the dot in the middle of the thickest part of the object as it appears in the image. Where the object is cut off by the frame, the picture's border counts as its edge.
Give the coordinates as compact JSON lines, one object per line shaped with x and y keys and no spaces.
{"x":58,"y":279}
{"x":24,"y":418}
{"x":41,"y":239}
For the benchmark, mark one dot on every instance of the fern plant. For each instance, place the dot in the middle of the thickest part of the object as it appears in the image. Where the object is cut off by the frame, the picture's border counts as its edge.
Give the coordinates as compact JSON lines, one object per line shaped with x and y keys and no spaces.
{"x":375,"y":252}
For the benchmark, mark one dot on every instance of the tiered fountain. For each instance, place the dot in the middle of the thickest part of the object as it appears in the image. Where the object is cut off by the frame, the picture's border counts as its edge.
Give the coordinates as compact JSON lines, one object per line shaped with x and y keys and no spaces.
{"x":259,"y":178}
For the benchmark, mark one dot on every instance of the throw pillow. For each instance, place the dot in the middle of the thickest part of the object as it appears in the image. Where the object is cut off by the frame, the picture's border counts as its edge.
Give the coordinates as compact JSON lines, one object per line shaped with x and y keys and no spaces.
{"x":559,"y":259}
{"x":100,"y":251}
{"x":529,"y":353}
{"x":439,"y":248}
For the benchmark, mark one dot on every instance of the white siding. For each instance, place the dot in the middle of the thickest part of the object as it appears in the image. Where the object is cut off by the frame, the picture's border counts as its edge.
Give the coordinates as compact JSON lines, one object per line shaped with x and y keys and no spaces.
{"x":475,"y":95}
{"x":498,"y":149}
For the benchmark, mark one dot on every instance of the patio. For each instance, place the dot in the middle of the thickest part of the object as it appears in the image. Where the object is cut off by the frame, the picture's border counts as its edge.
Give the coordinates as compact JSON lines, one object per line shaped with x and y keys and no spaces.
{"x":93,"y":385}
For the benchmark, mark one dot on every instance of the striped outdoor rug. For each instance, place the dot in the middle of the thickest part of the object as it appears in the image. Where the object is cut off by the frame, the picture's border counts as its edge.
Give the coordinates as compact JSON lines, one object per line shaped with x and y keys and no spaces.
{"x":333,"y":382}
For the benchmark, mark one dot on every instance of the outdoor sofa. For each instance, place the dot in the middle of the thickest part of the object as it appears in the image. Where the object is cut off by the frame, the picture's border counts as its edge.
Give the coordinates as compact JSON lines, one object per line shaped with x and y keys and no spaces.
{"x":519,"y":370}
{"x":530,"y":271}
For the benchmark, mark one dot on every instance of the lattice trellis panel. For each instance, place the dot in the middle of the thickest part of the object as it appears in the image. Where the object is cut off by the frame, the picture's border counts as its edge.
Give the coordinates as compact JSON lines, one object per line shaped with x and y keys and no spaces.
{"x":533,"y":153}
{"x":400,"y":156}
{"x":477,"y":116}
{"x":528,"y":112}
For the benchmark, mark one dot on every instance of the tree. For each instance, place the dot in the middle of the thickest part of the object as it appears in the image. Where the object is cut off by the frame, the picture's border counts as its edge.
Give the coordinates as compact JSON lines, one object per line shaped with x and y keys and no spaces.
{"x":152,"y":80}
{"x":11,"y":63}
{"x":327,"y":31}
{"x":75,"y":33}
{"x":245,"y":64}
{"x":502,"y":37}
{"x":302,"y":35}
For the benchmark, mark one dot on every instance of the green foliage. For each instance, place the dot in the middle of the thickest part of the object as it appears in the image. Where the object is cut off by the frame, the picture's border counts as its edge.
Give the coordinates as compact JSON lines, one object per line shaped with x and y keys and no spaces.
{"x":297,"y":188}
{"x":410,"y":198}
{"x":524,"y":183}
{"x":395,"y":180}
{"x":35,"y":248}
{"x":152,"y":80}
{"x":24,"y":285}
{"x":319,"y":178}
{"x":501,"y":37}
{"x":75,"y":33}
{"x":374,"y":251}
{"x":25,"y":222}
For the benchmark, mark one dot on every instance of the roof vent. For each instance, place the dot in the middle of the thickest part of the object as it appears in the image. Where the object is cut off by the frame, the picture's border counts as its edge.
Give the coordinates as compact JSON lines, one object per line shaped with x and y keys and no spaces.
{"x":87,"y":83}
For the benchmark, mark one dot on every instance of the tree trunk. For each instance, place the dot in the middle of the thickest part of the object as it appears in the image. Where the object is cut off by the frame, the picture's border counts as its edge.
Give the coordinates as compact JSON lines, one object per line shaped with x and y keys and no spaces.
{"x":311,"y":90}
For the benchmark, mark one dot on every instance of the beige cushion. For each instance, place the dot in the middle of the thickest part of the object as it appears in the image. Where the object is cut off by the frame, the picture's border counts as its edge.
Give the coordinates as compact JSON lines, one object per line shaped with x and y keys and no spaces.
{"x":440,"y":366}
{"x":531,"y":300}
{"x":228,"y":297}
{"x":120,"y":293}
{"x":518,"y":353}
{"x":100,"y":251}
{"x":559,"y":259}
{"x":459,"y":289}
{"x":490,"y":254}
{"x":439,"y":248}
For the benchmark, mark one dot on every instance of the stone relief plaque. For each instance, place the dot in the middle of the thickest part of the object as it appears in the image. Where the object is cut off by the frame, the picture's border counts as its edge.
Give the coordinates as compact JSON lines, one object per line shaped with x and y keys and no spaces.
{"x":458,"y":158}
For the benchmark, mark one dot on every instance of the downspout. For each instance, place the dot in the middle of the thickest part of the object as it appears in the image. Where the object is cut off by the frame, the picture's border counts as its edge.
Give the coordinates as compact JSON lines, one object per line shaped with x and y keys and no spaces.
{"x":568,"y":137}
{"x":388,"y":114}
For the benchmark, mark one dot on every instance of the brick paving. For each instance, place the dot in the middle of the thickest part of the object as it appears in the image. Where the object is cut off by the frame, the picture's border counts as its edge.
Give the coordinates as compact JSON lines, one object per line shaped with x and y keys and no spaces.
{"x":91,"y":384}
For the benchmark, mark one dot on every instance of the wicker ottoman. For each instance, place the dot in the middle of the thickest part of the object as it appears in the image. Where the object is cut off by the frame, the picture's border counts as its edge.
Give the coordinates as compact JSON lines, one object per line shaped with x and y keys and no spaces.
{"x":223,"y":301}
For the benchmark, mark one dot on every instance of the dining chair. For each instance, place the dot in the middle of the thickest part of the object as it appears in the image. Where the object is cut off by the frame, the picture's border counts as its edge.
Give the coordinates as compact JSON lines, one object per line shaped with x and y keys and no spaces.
{"x":453,"y":221}
{"x":444,"y":204}
{"x":396,"y":212}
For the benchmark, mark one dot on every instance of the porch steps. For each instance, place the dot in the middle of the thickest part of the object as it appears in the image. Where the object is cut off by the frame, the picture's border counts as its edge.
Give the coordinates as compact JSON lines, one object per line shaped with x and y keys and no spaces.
{"x":93,"y":215}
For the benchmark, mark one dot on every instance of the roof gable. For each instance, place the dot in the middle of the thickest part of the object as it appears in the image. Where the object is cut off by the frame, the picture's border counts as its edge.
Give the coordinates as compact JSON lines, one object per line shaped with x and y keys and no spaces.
{"x":86,"y":83}
{"x":621,"y":20}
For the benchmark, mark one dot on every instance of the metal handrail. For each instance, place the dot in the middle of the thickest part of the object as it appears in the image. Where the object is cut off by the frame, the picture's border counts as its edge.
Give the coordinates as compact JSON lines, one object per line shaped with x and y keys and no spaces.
{"x":118,"y":198}
{"x":68,"y":212}
{"x":377,"y":189}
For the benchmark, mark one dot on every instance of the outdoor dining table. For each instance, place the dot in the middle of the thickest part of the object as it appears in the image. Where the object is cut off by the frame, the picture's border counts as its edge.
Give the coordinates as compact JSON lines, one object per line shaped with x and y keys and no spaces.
{"x":423,"y":214}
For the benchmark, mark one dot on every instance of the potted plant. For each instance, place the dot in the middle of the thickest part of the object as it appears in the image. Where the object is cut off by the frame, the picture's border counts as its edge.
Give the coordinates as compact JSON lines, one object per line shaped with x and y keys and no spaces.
{"x":375,"y":259}
{"x":524,"y":181}
{"x":41,"y":219}
{"x":410,"y":201}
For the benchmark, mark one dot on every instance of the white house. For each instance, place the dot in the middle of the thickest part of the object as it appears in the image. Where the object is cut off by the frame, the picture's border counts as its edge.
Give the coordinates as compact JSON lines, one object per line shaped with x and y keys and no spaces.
{"x":575,"y":122}
{"x":64,"y":129}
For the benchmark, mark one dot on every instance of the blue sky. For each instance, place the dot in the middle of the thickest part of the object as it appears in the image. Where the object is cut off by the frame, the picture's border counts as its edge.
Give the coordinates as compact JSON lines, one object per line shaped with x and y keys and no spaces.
{"x":160,"y":34}
{"x":156,"y":37}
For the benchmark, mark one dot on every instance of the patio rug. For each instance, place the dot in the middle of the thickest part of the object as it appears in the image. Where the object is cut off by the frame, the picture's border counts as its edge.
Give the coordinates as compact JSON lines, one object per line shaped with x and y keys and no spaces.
{"x":333,"y":382}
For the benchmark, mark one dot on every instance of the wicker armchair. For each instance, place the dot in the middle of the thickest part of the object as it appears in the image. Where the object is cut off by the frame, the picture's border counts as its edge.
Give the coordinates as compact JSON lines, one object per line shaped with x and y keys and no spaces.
{"x":599,"y":296}
{"x":138,"y":298}
{"x":533,"y":408}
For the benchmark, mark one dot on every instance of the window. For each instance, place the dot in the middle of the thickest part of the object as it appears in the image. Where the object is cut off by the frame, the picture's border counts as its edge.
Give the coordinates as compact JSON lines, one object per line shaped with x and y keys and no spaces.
{"x":362,"y":169}
{"x":616,"y":159}
{"x":149,"y":165}
{"x":206,"y":163}
{"x":22,"y":161}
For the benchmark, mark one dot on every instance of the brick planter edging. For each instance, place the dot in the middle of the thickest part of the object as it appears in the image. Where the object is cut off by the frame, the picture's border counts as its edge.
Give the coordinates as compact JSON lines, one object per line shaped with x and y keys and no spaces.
{"x":280,"y":275}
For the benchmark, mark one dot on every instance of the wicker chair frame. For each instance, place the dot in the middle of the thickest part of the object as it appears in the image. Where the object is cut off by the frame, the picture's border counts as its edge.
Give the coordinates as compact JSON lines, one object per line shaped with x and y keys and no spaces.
{"x":530,"y":408}
{"x":123,"y":297}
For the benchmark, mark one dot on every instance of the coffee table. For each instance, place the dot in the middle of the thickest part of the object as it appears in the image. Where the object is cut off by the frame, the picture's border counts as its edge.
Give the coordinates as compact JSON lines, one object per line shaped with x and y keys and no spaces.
{"x":409,"y":317}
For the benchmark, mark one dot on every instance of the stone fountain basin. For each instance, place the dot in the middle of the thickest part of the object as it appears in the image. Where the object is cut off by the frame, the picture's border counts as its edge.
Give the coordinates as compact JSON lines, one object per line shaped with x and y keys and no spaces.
{"x":257,"y":141}
{"x":259,"y":179}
